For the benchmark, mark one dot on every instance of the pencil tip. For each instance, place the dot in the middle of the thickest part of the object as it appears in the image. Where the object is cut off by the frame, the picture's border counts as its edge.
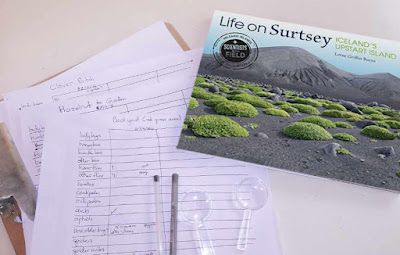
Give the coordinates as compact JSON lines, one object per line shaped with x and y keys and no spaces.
{"x":156,"y":178}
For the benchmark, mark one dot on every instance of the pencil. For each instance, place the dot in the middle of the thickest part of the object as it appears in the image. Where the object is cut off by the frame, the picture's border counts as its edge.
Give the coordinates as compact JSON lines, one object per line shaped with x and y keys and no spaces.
{"x":174,"y":214}
{"x":157,"y":205}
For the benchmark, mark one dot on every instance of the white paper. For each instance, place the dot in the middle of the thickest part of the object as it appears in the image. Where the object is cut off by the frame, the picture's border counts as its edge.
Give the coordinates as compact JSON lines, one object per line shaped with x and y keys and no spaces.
{"x":128,"y":88}
{"x":125,"y":94}
{"x":96,"y":190}
{"x":150,"y":42}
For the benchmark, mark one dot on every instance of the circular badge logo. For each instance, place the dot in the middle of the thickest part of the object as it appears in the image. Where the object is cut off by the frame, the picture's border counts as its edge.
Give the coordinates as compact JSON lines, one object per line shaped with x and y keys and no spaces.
{"x":235,"y":51}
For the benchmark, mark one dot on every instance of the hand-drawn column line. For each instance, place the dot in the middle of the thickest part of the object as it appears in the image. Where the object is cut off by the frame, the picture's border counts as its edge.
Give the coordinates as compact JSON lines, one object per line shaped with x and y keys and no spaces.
{"x":184,"y":99}
{"x":109,"y":199}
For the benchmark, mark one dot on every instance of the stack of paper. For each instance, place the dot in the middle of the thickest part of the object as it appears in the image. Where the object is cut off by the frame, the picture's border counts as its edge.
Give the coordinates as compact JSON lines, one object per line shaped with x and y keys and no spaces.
{"x":92,"y":139}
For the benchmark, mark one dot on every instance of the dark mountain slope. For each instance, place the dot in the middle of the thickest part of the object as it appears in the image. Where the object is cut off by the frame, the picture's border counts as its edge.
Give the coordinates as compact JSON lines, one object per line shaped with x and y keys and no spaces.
{"x":296,"y":68}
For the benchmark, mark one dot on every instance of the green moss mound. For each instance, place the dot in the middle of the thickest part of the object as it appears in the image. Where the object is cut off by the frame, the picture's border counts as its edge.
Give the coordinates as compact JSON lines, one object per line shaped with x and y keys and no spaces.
{"x":214,"y":101}
{"x":306,"y":109}
{"x":224,"y":90}
{"x":251,"y":87}
{"x":334,"y":106}
{"x":237,"y":92}
{"x":202,"y":82}
{"x":392,"y":123}
{"x":391,"y":113}
{"x":342,"y":124}
{"x":199,"y":80}
{"x":236,"y":108}
{"x":370,"y":110}
{"x":281,"y":103}
{"x":378,"y":132}
{"x":193,"y":103}
{"x":355,"y":118}
{"x":189,"y":120}
{"x":319,"y":121}
{"x":217,"y":126}
{"x":398,"y":135}
{"x":264,"y":94}
{"x":253,"y":100}
{"x":276,"y":112}
{"x":202,"y":94}
{"x":308,"y":101}
{"x":343,"y":151}
{"x":353,"y":115}
{"x":307,"y":131}
{"x":324,"y":101}
{"x":345,"y":137}
{"x":227,"y":86}
{"x":205,"y":85}
{"x":289,"y":108}
{"x":382,"y":123}
{"x":333,"y":113}
{"x":341,"y":114}
{"x":220,"y":82}
{"x":377,"y":117}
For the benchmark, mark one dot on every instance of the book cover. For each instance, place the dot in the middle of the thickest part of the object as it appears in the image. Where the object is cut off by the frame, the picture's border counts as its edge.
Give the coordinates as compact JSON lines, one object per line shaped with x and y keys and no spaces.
{"x":298,"y":98}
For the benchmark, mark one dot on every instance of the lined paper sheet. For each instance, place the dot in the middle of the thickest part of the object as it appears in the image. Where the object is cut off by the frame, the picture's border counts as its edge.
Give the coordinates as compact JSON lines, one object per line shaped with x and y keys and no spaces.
{"x":150,"y":42}
{"x":102,"y":82}
{"x":96,"y":194}
{"x":164,"y":83}
{"x":167,"y":95}
{"x":122,"y":89}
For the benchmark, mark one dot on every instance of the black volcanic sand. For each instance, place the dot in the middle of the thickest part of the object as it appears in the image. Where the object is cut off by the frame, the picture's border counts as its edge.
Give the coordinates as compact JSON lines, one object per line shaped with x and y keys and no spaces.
{"x":302,"y":156}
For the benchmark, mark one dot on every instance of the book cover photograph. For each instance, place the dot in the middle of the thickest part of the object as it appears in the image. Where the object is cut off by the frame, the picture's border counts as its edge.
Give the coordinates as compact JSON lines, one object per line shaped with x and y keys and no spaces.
{"x":298,"y":98}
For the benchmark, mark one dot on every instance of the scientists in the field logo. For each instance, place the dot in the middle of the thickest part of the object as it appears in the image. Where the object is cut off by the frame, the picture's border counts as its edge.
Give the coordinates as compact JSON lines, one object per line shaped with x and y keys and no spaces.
{"x":235,"y":51}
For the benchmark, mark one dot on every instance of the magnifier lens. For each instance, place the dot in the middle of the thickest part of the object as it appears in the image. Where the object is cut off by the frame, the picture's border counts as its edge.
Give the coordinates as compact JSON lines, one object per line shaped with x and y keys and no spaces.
{"x":252,"y":193}
{"x":196,"y":206}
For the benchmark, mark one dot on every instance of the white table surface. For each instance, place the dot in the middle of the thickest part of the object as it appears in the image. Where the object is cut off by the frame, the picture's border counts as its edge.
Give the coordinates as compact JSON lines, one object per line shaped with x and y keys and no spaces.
{"x":315,"y":216}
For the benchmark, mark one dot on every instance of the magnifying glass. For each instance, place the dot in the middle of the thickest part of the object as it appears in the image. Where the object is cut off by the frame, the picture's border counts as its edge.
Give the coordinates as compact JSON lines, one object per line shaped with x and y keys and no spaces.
{"x":196,"y":207}
{"x":252,"y":195}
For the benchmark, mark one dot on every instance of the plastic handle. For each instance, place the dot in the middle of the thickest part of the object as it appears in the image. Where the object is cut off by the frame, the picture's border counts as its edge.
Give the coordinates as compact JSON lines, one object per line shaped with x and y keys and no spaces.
{"x":157,"y":204}
{"x":244,"y":231}
{"x":206,"y":246}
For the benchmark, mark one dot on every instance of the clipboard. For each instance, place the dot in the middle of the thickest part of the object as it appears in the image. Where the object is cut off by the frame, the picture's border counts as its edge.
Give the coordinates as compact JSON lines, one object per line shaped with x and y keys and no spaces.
{"x":13,"y":228}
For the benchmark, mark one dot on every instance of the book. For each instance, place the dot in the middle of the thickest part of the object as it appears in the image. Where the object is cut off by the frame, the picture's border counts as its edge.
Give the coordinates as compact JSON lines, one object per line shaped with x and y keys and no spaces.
{"x":298,"y":98}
